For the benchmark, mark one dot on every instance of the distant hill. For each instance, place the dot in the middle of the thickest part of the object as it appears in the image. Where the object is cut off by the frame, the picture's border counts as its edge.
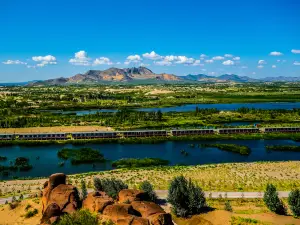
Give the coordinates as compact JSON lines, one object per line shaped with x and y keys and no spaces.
{"x":145,"y":75}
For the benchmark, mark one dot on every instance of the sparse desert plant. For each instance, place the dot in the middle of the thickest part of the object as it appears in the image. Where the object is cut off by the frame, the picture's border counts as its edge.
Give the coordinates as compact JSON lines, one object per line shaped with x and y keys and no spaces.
{"x":272,"y":200}
{"x":294,"y":202}
{"x":31,"y":213}
{"x":227,"y":206}
{"x":84,"y":192}
{"x":185,"y":197}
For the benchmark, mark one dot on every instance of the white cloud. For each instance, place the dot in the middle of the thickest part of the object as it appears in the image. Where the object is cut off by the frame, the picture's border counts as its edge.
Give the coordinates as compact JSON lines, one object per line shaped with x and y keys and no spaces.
{"x":237,"y":58}
{"x":274,"y":66}
{"x":276,"y":53}
{"x":228,"y":63}
{"x":260,"y":67}
{"x":170,"y":58}
{"x":80,"y":59}
{"x":163,"y":63}
{"x":261,"y":62}
{"x":209,"y":61}
{"x":296,"y":63}
{"x":14,"y":62}
{"x":203,"y":56}
{"x":296,"y":51}
{"x":133,"y":59}
{"x":218,"y":58}
{"x":184,"y":60}
{"x":228,"y":55}
{"x":152,"y":55}
{"x":244,"y":67}
{"x":102,"y":61}
{"x":197,"y":63}
{"x":144,"y":64}
{"x":47,"y":58}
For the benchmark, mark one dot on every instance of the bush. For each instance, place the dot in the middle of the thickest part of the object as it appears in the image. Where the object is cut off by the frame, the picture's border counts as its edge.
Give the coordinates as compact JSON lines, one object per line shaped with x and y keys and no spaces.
{"x":294,"y":202}
{"x":185,"y":197}
{"x":31,"y":213}
{"x":111,"y":187}
{"x":272,"y":200}
{"x":81,"y":217}
{"x":84,"y":191}
{"x":147,"y":187}
{"x":97,"y":184}
{"x":227,"y":206}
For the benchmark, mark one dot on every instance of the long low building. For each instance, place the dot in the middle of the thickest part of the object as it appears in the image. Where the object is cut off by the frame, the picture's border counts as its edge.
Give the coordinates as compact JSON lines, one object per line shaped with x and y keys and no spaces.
{"x":93,"y":135}
{"x":238,"y":130}
{"x":282,"y":129}
{"x":144,"y":133}
{"x":45,"y":136}
{"x":192,"y":132}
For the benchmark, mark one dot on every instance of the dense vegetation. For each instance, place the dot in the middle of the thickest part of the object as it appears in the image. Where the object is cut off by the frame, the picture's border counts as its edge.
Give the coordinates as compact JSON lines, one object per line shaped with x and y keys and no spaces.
{"x":29,"y":106}
{"x":20,"y":163}
{"x":82,"y":155}
{"x":243,"y":150}
{"x":185,"y":197}
{"x":288,"y":148}
{"x":147,"y":187}
{"x":81,"y":217}
{"x":145,"y":162}
{"x":294,"y":202}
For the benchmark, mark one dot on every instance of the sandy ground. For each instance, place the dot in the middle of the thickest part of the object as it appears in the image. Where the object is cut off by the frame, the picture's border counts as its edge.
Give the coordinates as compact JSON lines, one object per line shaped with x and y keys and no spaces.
{"x":54,"y":129}
{"x":156,"y":92}
{"x":16,"y":216}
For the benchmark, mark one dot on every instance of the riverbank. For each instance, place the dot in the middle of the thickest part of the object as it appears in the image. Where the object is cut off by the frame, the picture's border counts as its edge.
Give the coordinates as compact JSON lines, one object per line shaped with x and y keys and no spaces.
{"x":227,"y":177}
{"x":152,"y":140}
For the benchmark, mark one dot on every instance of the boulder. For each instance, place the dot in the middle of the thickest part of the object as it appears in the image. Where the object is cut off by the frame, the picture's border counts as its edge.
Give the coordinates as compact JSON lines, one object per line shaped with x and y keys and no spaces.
{"x":56,"y":179}
{"x":133,"y":221}
{"x":97,"y":201}
{"x":119,"y":212}
{"x":51,"y":211}
{"x":130,"y":195}
{"x":146,"y":209}
{"x":161,"y":219}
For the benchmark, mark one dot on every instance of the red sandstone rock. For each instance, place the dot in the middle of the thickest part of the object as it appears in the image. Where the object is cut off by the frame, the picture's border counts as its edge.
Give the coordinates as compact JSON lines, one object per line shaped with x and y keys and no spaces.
{"x":130,"y":195}
{"x":97,"y":201}
{"x":146,"y":209}
{"x":161,"y":219}
{"x":118,"y":212}
{"x":52,"y":210}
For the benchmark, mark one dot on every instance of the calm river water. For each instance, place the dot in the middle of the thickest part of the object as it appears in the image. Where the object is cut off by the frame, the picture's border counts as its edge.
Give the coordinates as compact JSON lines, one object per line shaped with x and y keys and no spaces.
{"x":48,"y":160}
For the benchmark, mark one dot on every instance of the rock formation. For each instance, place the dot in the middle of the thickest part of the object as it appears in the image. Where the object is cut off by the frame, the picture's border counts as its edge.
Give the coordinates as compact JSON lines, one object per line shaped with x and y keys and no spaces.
{"x":131,"y":208}
{"x":58,"y":198}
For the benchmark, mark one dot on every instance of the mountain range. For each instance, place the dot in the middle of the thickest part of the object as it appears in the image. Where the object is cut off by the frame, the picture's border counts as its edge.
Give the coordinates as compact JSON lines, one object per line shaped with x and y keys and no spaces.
{"x":143,"y":74}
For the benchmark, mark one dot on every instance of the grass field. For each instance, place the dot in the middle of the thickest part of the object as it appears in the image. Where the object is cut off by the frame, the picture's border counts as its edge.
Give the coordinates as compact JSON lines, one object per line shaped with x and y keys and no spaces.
{"x":219,"y":177}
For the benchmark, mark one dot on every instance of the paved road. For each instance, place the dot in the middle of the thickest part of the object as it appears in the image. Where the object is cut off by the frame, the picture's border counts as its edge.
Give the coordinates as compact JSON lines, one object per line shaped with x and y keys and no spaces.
{"x":283,"y":194}
{"x":162,"y":194}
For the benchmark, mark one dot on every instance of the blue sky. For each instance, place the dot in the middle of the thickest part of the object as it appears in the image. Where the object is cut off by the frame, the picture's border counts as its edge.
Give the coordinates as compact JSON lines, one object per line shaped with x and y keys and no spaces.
{"x":48,"y":39}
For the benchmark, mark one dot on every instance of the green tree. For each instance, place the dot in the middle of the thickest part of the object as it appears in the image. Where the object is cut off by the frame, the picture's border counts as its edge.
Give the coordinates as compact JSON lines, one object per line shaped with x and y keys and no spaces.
{"x":97,"y":184}
{"x":272,"y":200}
{"x":147,"y":187}
{"x":294,"y":202}
{"x":227,"y":206}
{"x":185,"y":197}
{"x":113,"y":186}
{"x":84,"y":192}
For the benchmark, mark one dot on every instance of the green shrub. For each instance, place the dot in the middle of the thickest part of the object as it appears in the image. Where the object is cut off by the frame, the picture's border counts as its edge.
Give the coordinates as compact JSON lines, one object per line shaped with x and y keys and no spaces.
{"x":185,"y":197}
{"x":97,"y":184}
{"x":244,"y":221}
{"x":81,"y":217}
{"x":31,"y":213}
{"x":84,"y":191}
{"x":112,"y":186}
{"x":147,"y":187}
{"x":294,"y":202}
{"x":272,"y":200}
{"x":227,"y":206}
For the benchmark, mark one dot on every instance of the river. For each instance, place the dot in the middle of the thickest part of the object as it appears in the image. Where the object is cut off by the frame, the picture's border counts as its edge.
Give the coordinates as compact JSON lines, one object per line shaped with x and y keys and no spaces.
{"x":48,"y":160}
{"x":192,"y":107}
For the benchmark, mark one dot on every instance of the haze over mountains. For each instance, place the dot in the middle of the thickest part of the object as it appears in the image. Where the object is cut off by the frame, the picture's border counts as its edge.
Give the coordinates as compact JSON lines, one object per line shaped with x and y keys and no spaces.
{"x":143,"y":74}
